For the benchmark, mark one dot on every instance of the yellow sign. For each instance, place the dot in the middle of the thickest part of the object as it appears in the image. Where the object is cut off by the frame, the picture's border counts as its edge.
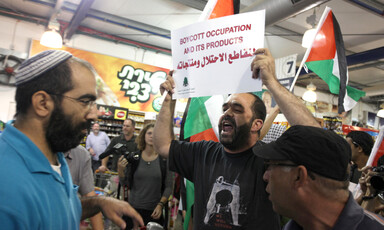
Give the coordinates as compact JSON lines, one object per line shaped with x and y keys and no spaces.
{"x":120,"y":82}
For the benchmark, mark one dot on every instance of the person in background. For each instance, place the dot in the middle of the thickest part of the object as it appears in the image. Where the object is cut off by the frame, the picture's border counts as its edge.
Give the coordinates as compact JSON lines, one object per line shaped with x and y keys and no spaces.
{"x":228,"y":177}
{"x":55,"y":103}
{"x":127,"y":138}
{"x":96,"y":143}
{"x":361,"y":144}
{"x":148,"y":179}
{"x":79,"y":163}
{"x":307,"y":171}
{"x":372,"y":186}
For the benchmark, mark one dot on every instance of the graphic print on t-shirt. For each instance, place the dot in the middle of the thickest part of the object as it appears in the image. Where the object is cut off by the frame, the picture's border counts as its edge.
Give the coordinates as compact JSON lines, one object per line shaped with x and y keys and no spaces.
{"x":223,"y":207}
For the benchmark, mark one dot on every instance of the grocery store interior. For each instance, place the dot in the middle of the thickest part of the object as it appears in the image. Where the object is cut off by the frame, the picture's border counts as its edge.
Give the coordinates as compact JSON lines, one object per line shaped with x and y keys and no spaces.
{"x":125,"y":37}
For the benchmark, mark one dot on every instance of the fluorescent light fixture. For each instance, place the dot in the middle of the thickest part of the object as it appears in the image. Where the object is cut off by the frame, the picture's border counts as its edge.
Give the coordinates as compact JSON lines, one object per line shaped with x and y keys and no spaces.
{"x":52,"y":39}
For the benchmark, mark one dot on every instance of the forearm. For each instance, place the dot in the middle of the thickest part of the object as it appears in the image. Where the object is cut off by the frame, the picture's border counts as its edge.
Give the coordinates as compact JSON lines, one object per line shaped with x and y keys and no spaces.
{"x":91,"y":206}
{"x":96,"y":220}
{"x":163,"y":131}
{"x":104,"y":161}
{"x":268,"y":122}
{"x":293,"y":109}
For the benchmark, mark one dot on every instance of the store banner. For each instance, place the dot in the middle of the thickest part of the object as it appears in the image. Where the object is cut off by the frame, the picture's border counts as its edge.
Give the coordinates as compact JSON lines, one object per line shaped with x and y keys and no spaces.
{"x":214,"y":57}
{"x":120,"y":82}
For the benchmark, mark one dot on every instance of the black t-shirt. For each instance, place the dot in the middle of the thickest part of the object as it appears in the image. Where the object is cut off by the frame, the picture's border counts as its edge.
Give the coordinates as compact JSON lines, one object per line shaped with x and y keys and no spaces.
{"x":229,"y":188}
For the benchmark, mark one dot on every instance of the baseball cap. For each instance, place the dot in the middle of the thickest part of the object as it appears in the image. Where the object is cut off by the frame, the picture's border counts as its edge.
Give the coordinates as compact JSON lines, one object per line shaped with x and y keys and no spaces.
{"x":40,"y":63}
{"x":320,"y":151}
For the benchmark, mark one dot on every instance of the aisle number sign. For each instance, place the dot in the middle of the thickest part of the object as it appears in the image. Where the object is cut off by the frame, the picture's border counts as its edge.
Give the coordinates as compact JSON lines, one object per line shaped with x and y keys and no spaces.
{"x":120,"y":82}
{"x":286,"y":69}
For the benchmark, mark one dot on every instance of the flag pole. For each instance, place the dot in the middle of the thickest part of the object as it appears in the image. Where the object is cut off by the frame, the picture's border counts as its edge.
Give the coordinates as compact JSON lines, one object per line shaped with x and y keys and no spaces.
{"x":321,"y":21}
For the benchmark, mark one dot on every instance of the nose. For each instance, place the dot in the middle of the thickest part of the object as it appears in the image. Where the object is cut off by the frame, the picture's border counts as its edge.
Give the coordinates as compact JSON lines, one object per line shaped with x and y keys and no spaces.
{"x":92,"y":114}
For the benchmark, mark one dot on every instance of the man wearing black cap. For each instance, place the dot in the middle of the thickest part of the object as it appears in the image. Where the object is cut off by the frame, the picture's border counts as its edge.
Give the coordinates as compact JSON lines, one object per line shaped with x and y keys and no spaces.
{"x":307,"y":171}
{"x":361,"y":144}
{"x":55,"y":103}
{"x":229,"y":188}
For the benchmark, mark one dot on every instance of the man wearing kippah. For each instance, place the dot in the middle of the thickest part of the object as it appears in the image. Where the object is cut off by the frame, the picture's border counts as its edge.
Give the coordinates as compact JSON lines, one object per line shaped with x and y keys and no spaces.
{"x":55,"y":103}
{"x":307,"y":171}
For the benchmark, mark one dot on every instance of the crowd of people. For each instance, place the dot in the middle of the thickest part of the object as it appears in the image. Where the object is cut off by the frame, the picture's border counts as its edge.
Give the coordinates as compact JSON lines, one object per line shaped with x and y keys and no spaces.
{"x":240,"y":182}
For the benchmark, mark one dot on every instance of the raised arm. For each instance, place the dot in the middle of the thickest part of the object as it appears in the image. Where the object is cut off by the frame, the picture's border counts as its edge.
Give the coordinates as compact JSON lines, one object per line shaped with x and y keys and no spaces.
{"x":163,"y":131}
{"x":294,"y":110}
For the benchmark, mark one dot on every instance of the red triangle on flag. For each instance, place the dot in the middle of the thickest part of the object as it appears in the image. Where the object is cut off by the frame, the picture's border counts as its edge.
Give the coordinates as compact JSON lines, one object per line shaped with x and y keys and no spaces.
{"x":324,"y":46}
{"x":222,"y":8}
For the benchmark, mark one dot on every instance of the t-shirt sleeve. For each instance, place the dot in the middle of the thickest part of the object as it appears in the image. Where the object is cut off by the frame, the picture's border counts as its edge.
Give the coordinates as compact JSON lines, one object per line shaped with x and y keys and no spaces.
{"x":86,"y":178}
{"x":182,"y":157}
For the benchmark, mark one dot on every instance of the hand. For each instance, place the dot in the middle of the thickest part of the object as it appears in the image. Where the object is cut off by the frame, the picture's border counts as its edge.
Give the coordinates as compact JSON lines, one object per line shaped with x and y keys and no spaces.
{"x":103,"y":169}
{"x":156,"y":214}
{"x":263,"y":66}
{"x":364,"y":180}
{"x":114,"y":209}
{"x":168,"y":85}
{"x":122,"y":163}
{"x":92,"y":152}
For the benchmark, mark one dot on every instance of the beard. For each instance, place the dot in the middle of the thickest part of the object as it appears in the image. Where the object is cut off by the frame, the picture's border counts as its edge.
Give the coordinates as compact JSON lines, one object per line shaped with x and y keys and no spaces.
{"x":240,"y":135}
{"x":61,"y":134}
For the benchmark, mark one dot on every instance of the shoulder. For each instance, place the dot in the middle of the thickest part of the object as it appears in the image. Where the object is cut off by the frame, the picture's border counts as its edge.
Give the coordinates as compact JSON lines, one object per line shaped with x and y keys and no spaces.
{"x":372,"y":220}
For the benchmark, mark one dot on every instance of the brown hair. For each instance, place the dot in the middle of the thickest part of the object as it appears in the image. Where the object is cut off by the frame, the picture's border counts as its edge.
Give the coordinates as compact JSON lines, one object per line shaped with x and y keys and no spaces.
{"x":140,"y":140}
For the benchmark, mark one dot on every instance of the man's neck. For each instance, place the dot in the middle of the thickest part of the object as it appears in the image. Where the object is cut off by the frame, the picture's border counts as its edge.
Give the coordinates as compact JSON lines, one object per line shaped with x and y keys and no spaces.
{"x":361,"y":161}
{"x":128,"y":137}
{"x":321,"y":214}
{"x":37,"y":135}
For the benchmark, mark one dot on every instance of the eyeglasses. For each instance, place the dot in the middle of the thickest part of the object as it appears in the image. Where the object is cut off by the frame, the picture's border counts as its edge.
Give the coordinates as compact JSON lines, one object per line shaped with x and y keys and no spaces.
{"x":355,"y":144}
{"x":85,"y":102}
{"x":268,"y":163}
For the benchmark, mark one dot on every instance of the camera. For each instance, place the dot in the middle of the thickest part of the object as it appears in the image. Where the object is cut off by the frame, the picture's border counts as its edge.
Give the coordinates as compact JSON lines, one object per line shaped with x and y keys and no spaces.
{"x":377,"y":180}
{"x":131,"y":156}
{"x":120,"y":149}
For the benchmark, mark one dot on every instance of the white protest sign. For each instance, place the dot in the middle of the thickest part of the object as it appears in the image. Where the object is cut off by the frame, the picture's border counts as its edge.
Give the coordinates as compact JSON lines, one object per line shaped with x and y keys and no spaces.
{"x":214,"y":57}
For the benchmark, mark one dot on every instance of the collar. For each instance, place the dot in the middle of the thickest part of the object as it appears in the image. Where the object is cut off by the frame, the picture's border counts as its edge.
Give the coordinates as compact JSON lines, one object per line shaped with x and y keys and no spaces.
{"x":349,"y":218}
{"x":34,"y":160}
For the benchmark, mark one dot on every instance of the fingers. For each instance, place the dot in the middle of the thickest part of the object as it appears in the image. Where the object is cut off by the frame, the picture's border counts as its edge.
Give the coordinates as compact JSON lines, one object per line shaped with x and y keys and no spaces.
{"x":168,"y":84}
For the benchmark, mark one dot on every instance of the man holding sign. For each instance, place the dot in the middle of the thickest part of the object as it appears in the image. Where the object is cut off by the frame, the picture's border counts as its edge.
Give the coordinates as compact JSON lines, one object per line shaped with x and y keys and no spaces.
{"x":229,"y":188}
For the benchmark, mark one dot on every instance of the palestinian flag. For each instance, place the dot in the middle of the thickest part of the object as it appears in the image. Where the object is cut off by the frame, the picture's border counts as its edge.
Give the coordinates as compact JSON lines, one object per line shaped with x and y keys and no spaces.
{"x":326,"y":58}
{"x":200,"y":120}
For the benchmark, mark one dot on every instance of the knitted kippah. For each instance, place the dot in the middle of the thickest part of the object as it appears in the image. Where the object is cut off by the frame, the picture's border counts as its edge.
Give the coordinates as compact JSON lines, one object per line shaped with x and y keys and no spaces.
{"x":39,"y":64}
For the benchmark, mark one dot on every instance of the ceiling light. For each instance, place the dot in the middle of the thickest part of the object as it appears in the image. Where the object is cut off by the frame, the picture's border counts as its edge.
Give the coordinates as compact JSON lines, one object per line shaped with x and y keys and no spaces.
{"x":308,"y":38}
{"x":310,"y":95}
{"x":310,"y":34}
{"x":380,"y":113}
{"x":52,"y":39}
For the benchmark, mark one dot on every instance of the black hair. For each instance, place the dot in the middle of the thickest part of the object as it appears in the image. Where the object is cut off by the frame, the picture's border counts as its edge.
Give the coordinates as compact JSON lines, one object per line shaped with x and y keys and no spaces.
{"x":133,"y":122}
{"x":363,"y":139}
{"x":258,"y":109}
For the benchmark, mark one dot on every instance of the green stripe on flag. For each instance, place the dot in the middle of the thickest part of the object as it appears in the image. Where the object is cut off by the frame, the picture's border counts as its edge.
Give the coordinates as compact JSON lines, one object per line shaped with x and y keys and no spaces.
{"x":324,"y":70}
{"x":197,"y":118}
{"x":355,"y":94}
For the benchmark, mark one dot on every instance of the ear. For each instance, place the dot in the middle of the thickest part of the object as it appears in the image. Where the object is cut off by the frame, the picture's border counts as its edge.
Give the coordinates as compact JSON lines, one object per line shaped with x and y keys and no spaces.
{"x":42,"y":104}
{"x":257,"y":124}
{"x":300,"y":176}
